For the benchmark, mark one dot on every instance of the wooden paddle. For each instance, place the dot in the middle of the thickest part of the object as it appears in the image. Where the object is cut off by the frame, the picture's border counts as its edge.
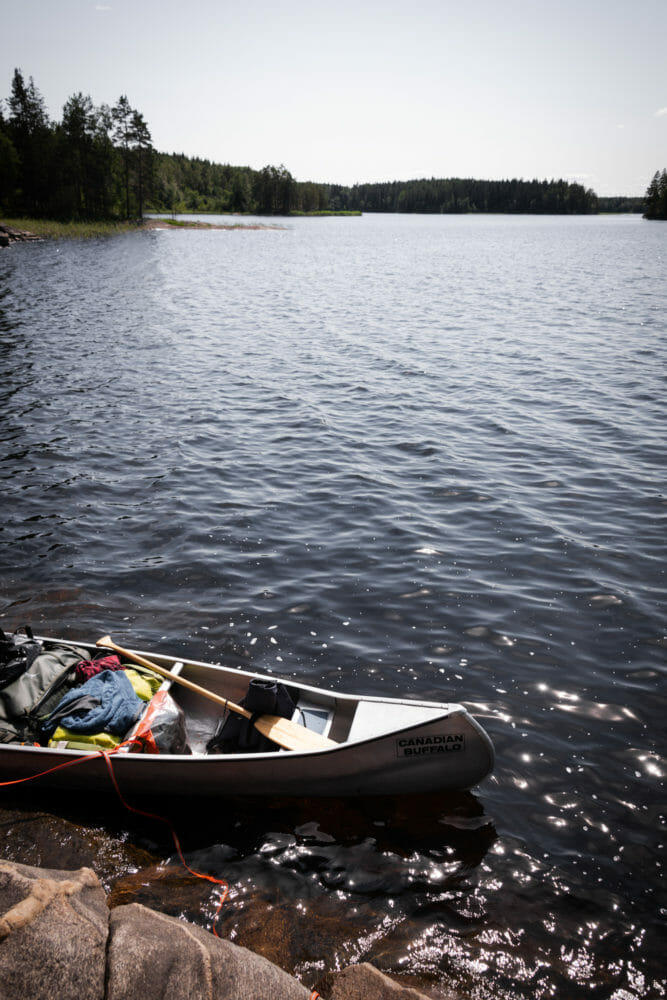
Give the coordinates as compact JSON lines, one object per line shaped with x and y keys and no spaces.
{"x":287,"y":734}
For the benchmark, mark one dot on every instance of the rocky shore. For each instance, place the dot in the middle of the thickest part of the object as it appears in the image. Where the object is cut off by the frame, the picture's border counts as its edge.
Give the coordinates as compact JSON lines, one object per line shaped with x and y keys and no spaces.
{"x":9,"y":235}
{"x":58,"y":937}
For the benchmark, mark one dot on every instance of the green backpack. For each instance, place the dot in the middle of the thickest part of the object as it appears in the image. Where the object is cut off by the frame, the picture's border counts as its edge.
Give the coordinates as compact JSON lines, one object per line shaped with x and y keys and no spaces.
{"x":30,"y":697}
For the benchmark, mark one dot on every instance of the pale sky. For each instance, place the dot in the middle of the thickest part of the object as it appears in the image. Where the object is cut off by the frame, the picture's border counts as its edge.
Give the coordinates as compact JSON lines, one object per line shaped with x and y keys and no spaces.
{"x":357,"y":90}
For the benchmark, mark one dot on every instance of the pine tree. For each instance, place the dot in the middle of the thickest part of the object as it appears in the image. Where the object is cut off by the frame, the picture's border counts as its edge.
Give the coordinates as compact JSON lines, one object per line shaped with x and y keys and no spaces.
{"x":122,"y":115}
{"x":32,"y":137}
{"x":656,"y":196}
{"x":79,"y":129}
{"x":9,"y":163}
{"x":141,"y":142}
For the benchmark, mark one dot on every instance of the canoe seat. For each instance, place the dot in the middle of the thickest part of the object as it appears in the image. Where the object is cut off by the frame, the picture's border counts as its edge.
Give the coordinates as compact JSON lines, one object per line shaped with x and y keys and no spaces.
{"x":175,"y":669}
{"x":313,"y":716}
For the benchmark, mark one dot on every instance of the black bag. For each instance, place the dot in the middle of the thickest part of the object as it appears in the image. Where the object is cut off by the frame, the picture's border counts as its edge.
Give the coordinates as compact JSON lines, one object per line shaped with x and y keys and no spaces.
{"x":17,"y":653}
{"x":236,"y":734}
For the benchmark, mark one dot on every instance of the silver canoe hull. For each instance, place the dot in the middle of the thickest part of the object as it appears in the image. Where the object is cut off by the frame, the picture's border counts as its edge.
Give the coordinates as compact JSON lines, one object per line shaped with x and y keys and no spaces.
{"x":384,"y":746}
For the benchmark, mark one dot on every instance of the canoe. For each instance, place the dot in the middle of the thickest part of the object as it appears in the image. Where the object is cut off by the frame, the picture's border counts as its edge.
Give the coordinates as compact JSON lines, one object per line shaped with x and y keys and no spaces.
{"x":361,"y":745}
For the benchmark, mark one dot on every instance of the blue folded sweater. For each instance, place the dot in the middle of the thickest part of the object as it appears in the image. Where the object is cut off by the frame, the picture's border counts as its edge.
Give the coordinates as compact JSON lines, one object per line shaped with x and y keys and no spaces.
{"x":105,"y":703}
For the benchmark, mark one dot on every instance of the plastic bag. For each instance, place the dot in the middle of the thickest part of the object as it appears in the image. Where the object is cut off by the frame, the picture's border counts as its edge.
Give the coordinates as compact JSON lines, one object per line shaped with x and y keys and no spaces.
{"x":161,"y":729}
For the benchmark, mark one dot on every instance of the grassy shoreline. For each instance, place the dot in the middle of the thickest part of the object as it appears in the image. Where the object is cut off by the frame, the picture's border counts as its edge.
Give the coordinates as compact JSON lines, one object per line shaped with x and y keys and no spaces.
{"x":325,"y":212}
{"x":51,"y":229}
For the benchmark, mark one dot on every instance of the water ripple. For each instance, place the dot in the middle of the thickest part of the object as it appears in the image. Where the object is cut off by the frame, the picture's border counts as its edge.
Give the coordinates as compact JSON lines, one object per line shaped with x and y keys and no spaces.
{"x":420,"y":456}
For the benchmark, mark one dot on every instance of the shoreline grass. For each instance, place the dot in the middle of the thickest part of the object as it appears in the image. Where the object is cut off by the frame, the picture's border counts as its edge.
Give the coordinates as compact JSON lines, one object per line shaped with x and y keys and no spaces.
{"x":326,"y":212}
{"x":191,"y":224}
{"x":52,"y":229}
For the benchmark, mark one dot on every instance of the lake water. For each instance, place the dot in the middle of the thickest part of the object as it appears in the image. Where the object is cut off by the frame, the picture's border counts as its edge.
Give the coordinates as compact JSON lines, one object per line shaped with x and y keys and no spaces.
{"x":400,"y":455}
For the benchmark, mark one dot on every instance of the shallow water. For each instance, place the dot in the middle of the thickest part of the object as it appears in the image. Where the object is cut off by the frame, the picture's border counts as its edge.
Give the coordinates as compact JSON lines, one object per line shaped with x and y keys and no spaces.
{"x":401,"y":455}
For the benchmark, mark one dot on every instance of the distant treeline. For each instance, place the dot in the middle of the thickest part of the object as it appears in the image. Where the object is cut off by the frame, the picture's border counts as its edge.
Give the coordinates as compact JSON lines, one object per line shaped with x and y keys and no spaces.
{"x":190,"y":184}
{"x":621,"y":203}
{"x":99,"y":163}
{"x":457,"y":195}
{"x":184,"y":184}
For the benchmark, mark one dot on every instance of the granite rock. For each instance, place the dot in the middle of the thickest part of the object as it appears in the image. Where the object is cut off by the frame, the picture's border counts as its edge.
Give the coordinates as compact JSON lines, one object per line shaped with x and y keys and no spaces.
{"x":153,"y":956}
{"x":53,"y":934}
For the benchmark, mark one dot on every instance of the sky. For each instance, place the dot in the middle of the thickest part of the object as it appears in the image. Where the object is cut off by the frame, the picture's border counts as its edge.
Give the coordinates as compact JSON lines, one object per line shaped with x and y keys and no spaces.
{"x":354,"y":91}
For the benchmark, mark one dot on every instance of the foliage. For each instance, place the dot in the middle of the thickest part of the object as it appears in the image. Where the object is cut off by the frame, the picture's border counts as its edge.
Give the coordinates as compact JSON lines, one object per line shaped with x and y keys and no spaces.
{"x":29,"y":132}
{"x":193,"y":185}
{"x":656,"y":197}
{"x":93,"y":164}
{"x":84,"y":153}
{"x":190,"y":184}
{"x":620,"y":204}
{"x":456,"y":195}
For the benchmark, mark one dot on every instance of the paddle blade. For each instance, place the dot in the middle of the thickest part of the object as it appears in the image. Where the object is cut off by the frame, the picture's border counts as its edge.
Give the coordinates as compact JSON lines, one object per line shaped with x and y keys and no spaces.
{"x":290,"y":735}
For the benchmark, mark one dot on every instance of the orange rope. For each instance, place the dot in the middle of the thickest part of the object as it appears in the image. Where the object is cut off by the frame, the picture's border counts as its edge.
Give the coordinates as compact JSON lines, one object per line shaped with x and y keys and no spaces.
{"x":107,"y":754}
{"x":58,"y":767}
{"x":140,"y":812}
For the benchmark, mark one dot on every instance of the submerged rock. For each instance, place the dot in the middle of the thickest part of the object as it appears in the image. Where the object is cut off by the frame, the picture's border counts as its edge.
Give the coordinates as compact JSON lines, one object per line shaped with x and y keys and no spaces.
{"x":365,"y":982}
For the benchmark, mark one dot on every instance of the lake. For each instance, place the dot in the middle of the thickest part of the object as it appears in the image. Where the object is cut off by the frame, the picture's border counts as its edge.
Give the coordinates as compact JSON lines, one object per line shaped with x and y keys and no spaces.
{"x":402,"y":455}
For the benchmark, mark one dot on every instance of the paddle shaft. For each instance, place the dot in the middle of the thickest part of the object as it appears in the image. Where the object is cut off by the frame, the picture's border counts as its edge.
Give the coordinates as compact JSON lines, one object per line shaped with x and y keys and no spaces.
{"x":284,"y":732}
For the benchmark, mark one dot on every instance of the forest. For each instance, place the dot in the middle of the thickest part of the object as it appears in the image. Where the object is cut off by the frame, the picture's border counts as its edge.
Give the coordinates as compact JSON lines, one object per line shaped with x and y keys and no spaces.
{"x":100,"y":163}
{"x":458,"y":195}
